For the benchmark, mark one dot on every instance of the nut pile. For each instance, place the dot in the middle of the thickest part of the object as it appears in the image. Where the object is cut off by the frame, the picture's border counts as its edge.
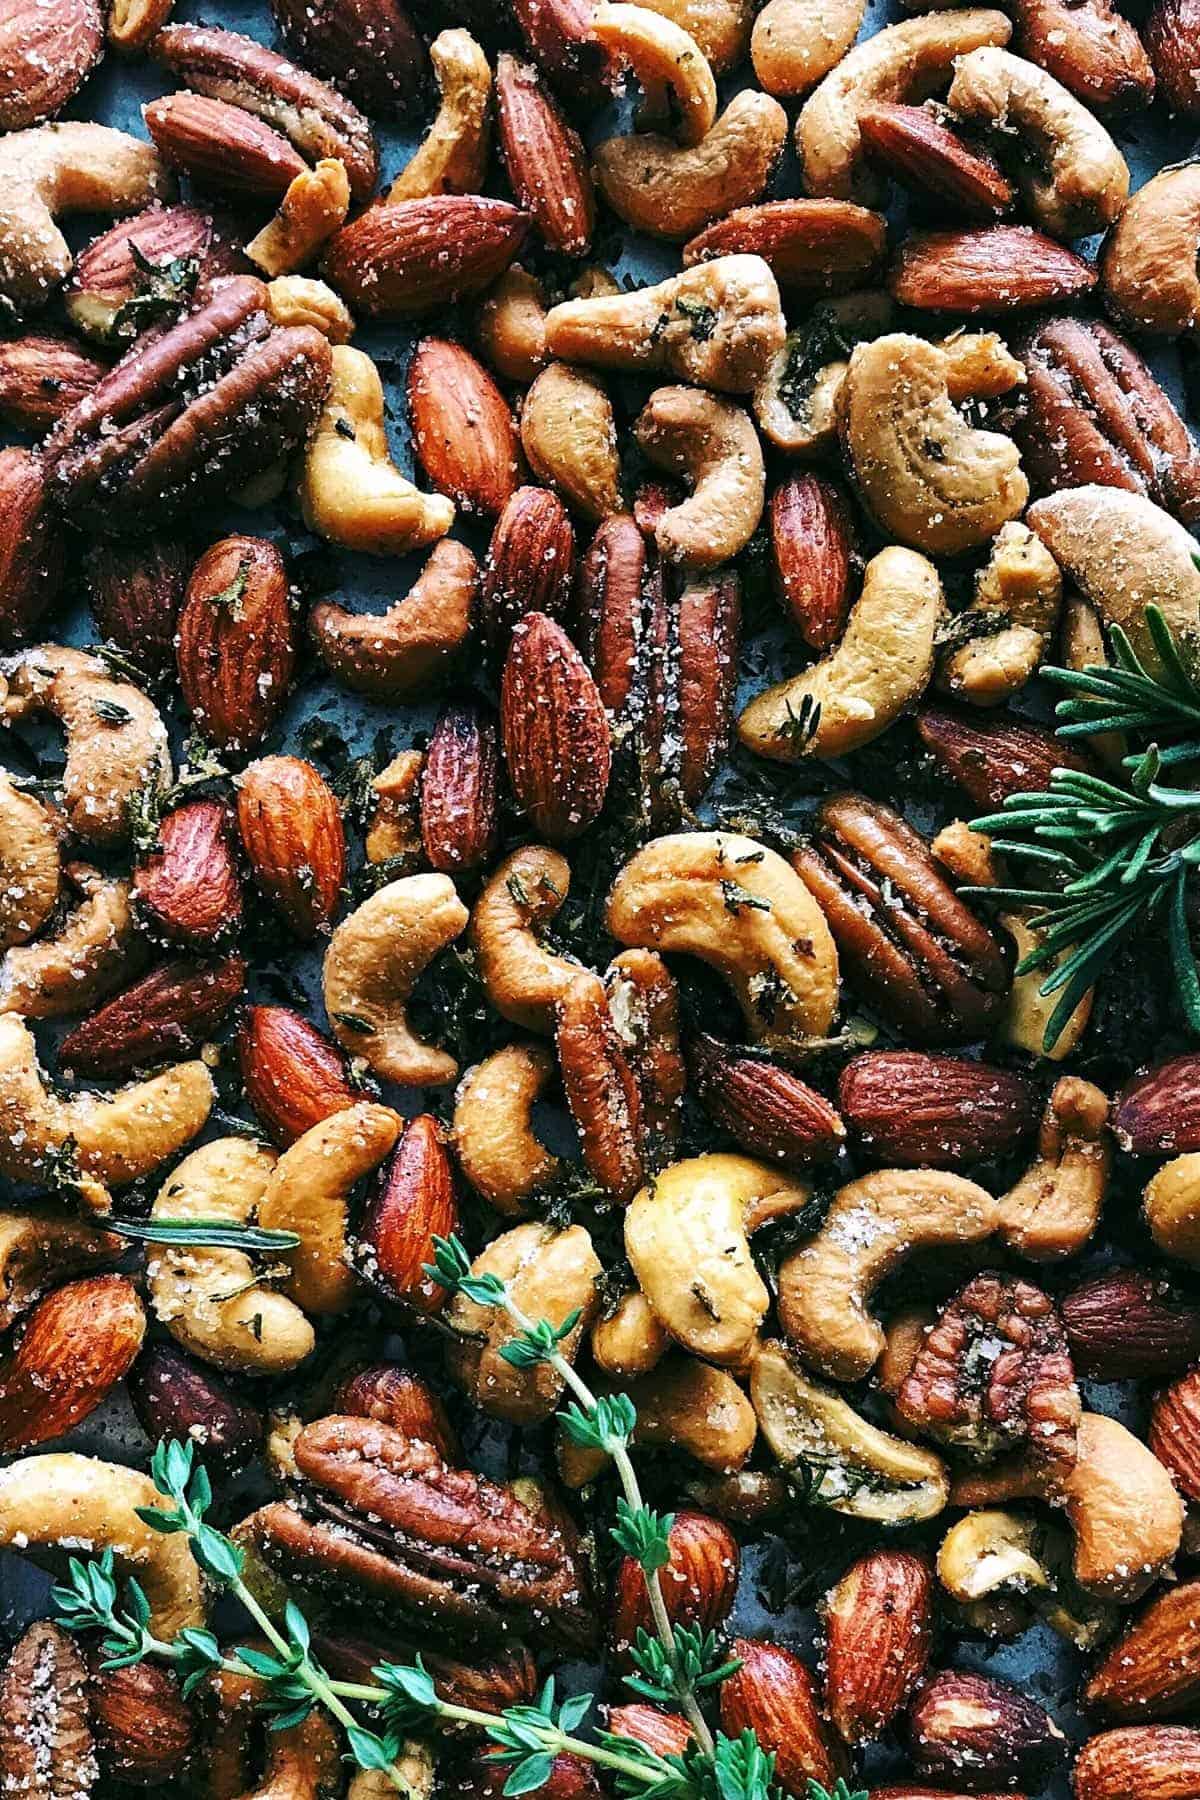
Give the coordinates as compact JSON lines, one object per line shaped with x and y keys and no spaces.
{"x":812,"y":1169}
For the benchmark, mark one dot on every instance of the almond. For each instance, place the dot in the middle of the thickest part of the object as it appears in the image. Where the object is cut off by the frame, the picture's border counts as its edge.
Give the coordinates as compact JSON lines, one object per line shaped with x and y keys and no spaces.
{"x":147,"y":269}
{"x":913,"y":145}
{"x":554,"y":730}
{"x":409,"y":257}
{"x":1093,"y":49}
{"x":667,"y":1733}
{"x":371,"y":48}
{"x":878,"y":1624}
{"x":142,"y":1724}
{"x":458,"y":790}
{"x":964,"y":1722}
{"x":530,"y":563}
{"x":166,"y":1015}
{"x":774,"y":1695}
{"x":698,"y":1582}
{"x":397,"y":1397}
{"x":812,"y":555}
{"x":46,"y":53}
{"x":137,"y":593}
{"x":32,"y":548}
{"x":293,"y":1076}
{"x":237,"y":642}
{"x":222,"y":147}
{"x":463,"y":430}
{"x":545,"y":159}
{"x":915,"y":1109}
{"x":561,"y":41}
{"x":70,"y":1353}
{"x":764,"y":1106}
{"x":1140,"y":1762}
{"x":188,"y":888}
{"x":292,"y":832}
{"x":1128,"y":1325}
{"x":1153,"y":1670}
{"x":609,"y":596}
{"x":991,"y":758}
{"x":1158,"y":1114}
{"x":413,"y":1202}
{"x":997,"y":269}
{"x":811,"y":246}
{"x":1172,"y":36}
{"x":1174,"y":1433}
{"x":174,"y":1396}
{"x":41,"y":378}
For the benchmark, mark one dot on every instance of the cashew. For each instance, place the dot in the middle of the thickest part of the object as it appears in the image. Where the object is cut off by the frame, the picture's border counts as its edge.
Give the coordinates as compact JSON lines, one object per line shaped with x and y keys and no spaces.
{"x":399,"y":653}
{"x":351,"y":492}
{"x":720,"y":27}
{"x":631,"y":1340}
{"x":110,"y":1139}
{"x":374,"y":960}
{"x":716,"y":324}
{"x":493,"y":1130}
{"x":1055,"y":1206}
{"x":452,"y":157}
{"x":795,"y":43}
{"x":881,"y":666}
{"x":1074,"y":179}
{"x":80,"y":1503}
{"x":906,"y":1332}
{"x":40,"y":1248}
{"x":992,"y":1552}
{"x":966,"y":854}
{"x":209,"y":1299}
{"x":1027,"y":1010}
{"x":673,"y":72}
{"x":931,"y":480}
{"x":523,"y":981}
{"x":1081,"y":645}
{"x":116,"y":741}
{"x":841,"y":1460}
{"x":874,"y":1223}
{"x":714,"y":444}
{"x":905,"y":62}
{"x":686,"y":1237}
{"x":30,"y":864}
{"x":569,"y":437}
{"x":1022,"y":585}
{"x":1126,"y":554}
{"x":95,"y":950}
{"x":302,"y":300}
{"x":394,"y":833}
{"x":1148,"y":263}
{"x":303,"y":1763}
{"x":69,"y":167}
{"x":672,"y":192}
{"x":686,"y":1405}
{"x":1171,"y":1203}
{"x":417,"y":1766}
{"x":308,"y":1192}
{"x":738,"y":907}
{"x":511,"y":326}
{"x":550,"y":1275}
{"x":312,"y":209}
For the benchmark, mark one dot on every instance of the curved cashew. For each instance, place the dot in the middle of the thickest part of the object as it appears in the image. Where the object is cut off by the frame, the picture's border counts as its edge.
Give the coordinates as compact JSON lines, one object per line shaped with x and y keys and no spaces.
{"x":569,"y":436}
{"x":96,"y":949}
{"x":795,"y":43}
{"x":1171,"y":1203}
{"x":1075,"y":180}
{"x":671,"y":69}
{"x":738,"y":907}
{"x":993,"y":1553}
{"x":906,"y":62}
{"x":720,"y":27}
{"x":303,"y":1763}
{"x":672,"y":192}
{"x":874,"y":1223}
{"x":842,"y":1460}
{"x":687,"y":1240}
{"x":1148,"y":263}
{"x":30,"y":863}
{"x":631,"y":1340}
{"x":1055,"y":1206}
{"x":302,"y":300}
{"x":714,"y":444}
{"x":1023,"y":583}
{"x":716,"y":324}
{"x":523,"y":980}
{"x":68,"y":167}
{"x":39,"y":1248}
{"x":351,"y":492}
{"x":452,"y":157}
{"x":511,"y":326}
{"x":116,"y":1138}
{"x":116,"y":740}
{"x":313,"y":208}
{"x":393,"y":655}
{"x":930,"y":479}
{"x":684,"y":1404}
{"x":308,"y":1192}
{"x":209,"y":1299}
{"x":374,"y":960}
{"x":60,"y":1499}
{"x":493,"y":1130}
{"x":881,"y":666}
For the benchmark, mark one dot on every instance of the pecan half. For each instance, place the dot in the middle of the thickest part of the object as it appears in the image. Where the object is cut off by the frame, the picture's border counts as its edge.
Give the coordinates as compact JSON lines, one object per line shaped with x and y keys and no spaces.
{"x":687,"y":680}
{"x":600,"y":1086}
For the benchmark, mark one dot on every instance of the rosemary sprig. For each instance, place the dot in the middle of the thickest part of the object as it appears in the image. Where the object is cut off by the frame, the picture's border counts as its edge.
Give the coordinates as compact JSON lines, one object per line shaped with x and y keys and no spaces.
{"x":204,"y":1234}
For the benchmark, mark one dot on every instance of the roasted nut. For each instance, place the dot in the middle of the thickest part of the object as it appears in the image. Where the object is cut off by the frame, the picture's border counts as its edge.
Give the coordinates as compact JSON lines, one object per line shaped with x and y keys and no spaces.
{"x":71,"y":1351}
{"x":46,"y":1738}
{"x":136,"y":594}
{"x":1055,"y":1206}
{"x":95,"y":948}
{"x":143,"y":1726}
{"x":794,"y":44}
{"x":511,"y":325}
{"x":132,"y":24}
{"x":561,"y":40}
{"x":630,"y":1340}
{"x":990,"y":1555}
{"x":41,"y":378}
{"x":917,"y":146}
{"x":698,"y":1583}
{"x":569,"y":436}
{"x":1156,"y":1112}
{"x":982,"y":1732}
{"x":993,"y":758}
{"x":643,"y":1002}
{"x":530,"y":564}
{"x":544,"y":158}
{"x":452,"y":156}
{"x":914,"y":1108}
{"x":463,"y":431}
{"x":293,"y":1076}
{"x":673,"y":72}
{"x":1139,"y":1762}
{"x":811,"y":246}
{"x":32,"y":557}
{"x":688,"y":1405}
{"x":458,"y":790}
{"x":878,"y":1631}
{"x":1092,"y":49}
{"x":40,"y":1247}
{"x":687,"y":685}
{"x":291,"y":830}
{"x":394,"y":1396}
{"x":1153,"y":1671}
{"x":1170,"y":32}
{"x":187,"y":890}
{"x":600,"y":1087}
{"x":554,"y":730}
{"x":670,"y":191}
{"x":129,"y":276}
{"x":176,"y":1397}
{"x":812,"y":556}
{"x":1127,"y":1324}
{"x":222,"y":147}
{"x":1148,"y":264}
{"x":30,"y":865}
{"x":667,"y":1733}
{"x":391,"y":655}
{"x":613,"y":589}
{"x":720,"y":28}
{"x":996,"y":269}
{"x":493,"y":1138}
{"x":523,"y":980}
{"x":1020,"y":584}
{"x":408,"y":257}
{"x":767,"y":1108}
{"x":1171,"y":1204}
{"x":370,"y":48}
{"x":394,"y":833}
{"x":300,"y":300}
{"x":311,"y":210}
{"x":44,"y":60}
{"x":714,"y":445}
{"x":774,"y":1695}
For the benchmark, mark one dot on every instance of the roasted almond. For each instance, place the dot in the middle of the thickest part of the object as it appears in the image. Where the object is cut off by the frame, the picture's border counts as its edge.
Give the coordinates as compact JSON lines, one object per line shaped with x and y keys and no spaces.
{"x":458,"y":790}
{"x":1093,"y":49}
{"x":1153,"y":1669}
{"x":1158,"y":1113}
{"x":142,"y":1724}
{"x":991,"y":758}
{"x":915,"y":146}
{"x":996,"y":269}
{"x":554,"y":730}
{"x":1174,"y":1434}
{"x":403,"y":258}
{"x":530,"y":564}
{"x":148,"y":269}
{"x":137,"y":593}
{"x":1140,"y":1762}
{"x":32,"y":548}
{"x":545,"y":159}
{"x":291,"y":827}
{"x":69,"y":1354}
{"x":812,"y":555}
{"x":463,"y":428}
{"x":166,"y":1015}
{"x":222,"y":147}
{"x":293,"y":1076}
{"x":698,"y":1582}
{"x":174,"y":1396}
{"x":561,"y":41}
{"x":1128,"y":1325}
{"x":413,"y":1201}
{"x":962,"y":1722}
{"x":878,"y":1629}
{"x":188,"y":888}
{"x":397,"y":1397}
{"x":41,"y":378}
{"x":774,"y":1696}
{"x":916,"y":1109}
{"x":668,"y":1733}
{"x":763,"y":1105}
{"x":237,"y":642}
{"x":811,"y":246}
{"x":46,"y":53}
{"x":371,"y":48}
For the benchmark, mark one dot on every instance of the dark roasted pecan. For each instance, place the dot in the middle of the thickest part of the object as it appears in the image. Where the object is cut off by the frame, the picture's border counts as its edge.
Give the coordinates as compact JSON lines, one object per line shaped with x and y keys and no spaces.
{"x":994,"y":757}
{"x":767,"y":1108}
{"x":914,"y":1108}
{"x":995,"y":1373}
{"x":41,"y":378}
{"x":32,"y":551}
{"x":137,"y":591}
{"x":506,"y":1678}
{"x":56,"y":1760}
{"x":458,"y":790}
{"x":167,"y":1014}
{"x":610,"y":597}
{"x":908,"y":943}
{"x":1128,"y":1325}
{"x":982,"y":1733}
{"x":687,"y":679}
{"x":601,"y":1089}
{"x":144,"y":272}
{"x":1091,"y":48}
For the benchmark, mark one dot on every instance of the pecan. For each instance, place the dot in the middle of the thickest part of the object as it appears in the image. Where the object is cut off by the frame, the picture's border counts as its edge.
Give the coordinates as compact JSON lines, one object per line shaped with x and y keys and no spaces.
{"x":600,"y":1087}
{"x":687,"y":684}
{"x":995,"y":1372}
{"x":610,"y":598}
{"x":392,"y":1395}
{"x":55,"y":1761}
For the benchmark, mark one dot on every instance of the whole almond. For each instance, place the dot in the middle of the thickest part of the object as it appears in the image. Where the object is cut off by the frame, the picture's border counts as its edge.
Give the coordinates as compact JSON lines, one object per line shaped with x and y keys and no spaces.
{"x":32,"y":548}
{"x":70,"y":1353}
{"x":554,"y":730}
{"x":994,"y":757}
{"x":812,"y":555}
{"x":413,"y":1201}
{"x":1153,"y":1669}
{"x":812,"y":246}
{"x":763,"y":1105}
{"x":1140,"y":1762}
{"x":998,"y":269}
{"x":292,"y":832}
{"x":916,"y":147}
{"x":1174,"y":1434}
{"x":136,"y":593}
{"x":174,"y":1396}
{"x":458,"y":790}
{"x":1158,"y":1113}
{"x":879,"y":1627}
{"x":397,"y":1397}
{"x":1129,"y":1325}
{"x":41,"y":378}
{"x":560,"y":39}
{"x":403,"y":258}
{"x":293,"y":1076}
{"x":966,"y":1722}
{"x":916,"y":1109}
{"x":46,"y":53}
{"x":188,"y":887}
{"x":148,"y":269}
{"x":142,"y":1724}
{"x":463,"y":429}
{"x":371,"y":48}
{"x":774,"y":1695}
{"x":530,"y":564}
{"x":237,"y":642}
{"x":667,"y":1733}
{"x":698,"y":1582}
{"x":545,"y":159}
{"x":222,"y":147}
{"x":1172,"y":36}
{"x":166,"y":1015}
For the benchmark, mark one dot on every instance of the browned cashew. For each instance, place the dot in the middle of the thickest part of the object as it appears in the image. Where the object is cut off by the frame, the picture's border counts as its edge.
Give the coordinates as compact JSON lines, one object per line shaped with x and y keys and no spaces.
{"x":30,"y":863}
{"x":1055,"y":1206}
{"x":796,"y":42}
{"x":569,"y":436}
{"x":313,"y":208}
{"x":631,"y":1339}
{"x":523,"y":980}
{"x":906,"y":62}
{"x":1022,"y":582}
{"x":720,"y":27}
{"x":452,"y":157}
{"x":511,"y":326}
{"x":97,"y":948}
{"x":713,"y":443}
{"x":116,"y":739}
{"x":686,"y":1404}
{"x":395,"y":654}
{"x":493,"y":1130}
{"x":302,"y":300}
{"x":394,"y":833}
{"x":670,"y":67}
{"x":672,"y":192}
{"x":1027,"y":1010}
{"x":1148,"y":264}
{"x":1075,"y":180}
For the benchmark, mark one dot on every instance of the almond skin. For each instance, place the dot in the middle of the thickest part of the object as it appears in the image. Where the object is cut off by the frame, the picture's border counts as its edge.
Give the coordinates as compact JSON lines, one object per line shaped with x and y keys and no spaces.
{"x":174,"y":1396}
{"x":412,"y":1202}
{"x":188,"y":889}
{"x":768,"y":1109}
{"x":812,"y":555}
{"x":1174,"y":1433}
{"x":916,"y":1109}
{"x":463,"y":429}
{"x":963,"y":1722}
{"x":1172,"y":37}
{"x":878,"y":1623}
{"x":1158,"y":1114}
{"x":407,"y":257}
{"x":72,"y":1350}
{"x":561,"y":41}
{"x":458,"y":790}
{"x":166,"y":1015}
{"x":545,"y":159}
{"x":142,"y":1724}
{"x":237,"y":642}
{"x":370,"y":48}
{"x":292,"y":831}
{"x":1128,"y":1325}
{"x":774,"y":1695}
{"x":554,"y":730}
{"x":32,"y":548}
{"x":222,"y":147}
{"x":811,"y":246}
{"x":999,"y":269}
{"x":41,"y":378}
{"x":136,"y":593}
{"x":46,"y":52}
{"x":918,"y":149}
{"x":530,"y":564}
{"x":1153,"y":1670}
{"x":1140,"y":1762}
{"x":698,"y":1583}
{"x":293,"y":1076}
{"x":991,"y":758}
{"x":667,"y":1733}
{"x":1094,"y":50}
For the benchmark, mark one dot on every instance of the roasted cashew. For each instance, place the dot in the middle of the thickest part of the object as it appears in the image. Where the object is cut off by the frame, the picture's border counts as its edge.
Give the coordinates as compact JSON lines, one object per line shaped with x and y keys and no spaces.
{"x":374,"y":960}
{"x":1055,"y":1206}
{"x":209,"y":1299}
{"x":452,"y":157}
{"x":303,"y":1763}
{"x":308,"y":1192}
{"x":1148,"y":264}
{"x":685,"y":1404}
{"x":1075,"y":180}
{"x":1081,"y":644}
{"x":569,"y":436}
{"x":738,"y":907}
{"x":795,"y":43}
{"x":523,"y":980}
{"x":671,"y":192}
{"x":550,"y":1275}
{"x":312,"y":209}
{"x":905,"y":62}
{"x":931,"y":479}
{"x":688,"y":432}
{"x":351,"y":492}
{"x":720,"y":27}
{"x":78,"y":1502}
{"x":71,"y":166}
{"x":116,"y":740}
{"x":396,"y":654}
{"x":881,"y":666}
{"x":303,"y":300}
{"x":1023,"y":584}
{"x":493,"y":1131}
{"x":842,"y":1460}
{"x":991,"y":1552}
{"x":716,"y":324}
{"x":394,"y":833}
{"x":631,"y":1340}
{"x":687,"y":1240}
{"x":511,"y":326}
{"x":795,"y":403}
{"x":96,"y":949}
{"x":42,"y":1247}
{"x":670,"y":67}
{"x":874,"y":1223}
{"x":1171,"y":1203}
{"x":30,"y":863}
{"x":109,"y":1139}
{"x":1027,"y":1011}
